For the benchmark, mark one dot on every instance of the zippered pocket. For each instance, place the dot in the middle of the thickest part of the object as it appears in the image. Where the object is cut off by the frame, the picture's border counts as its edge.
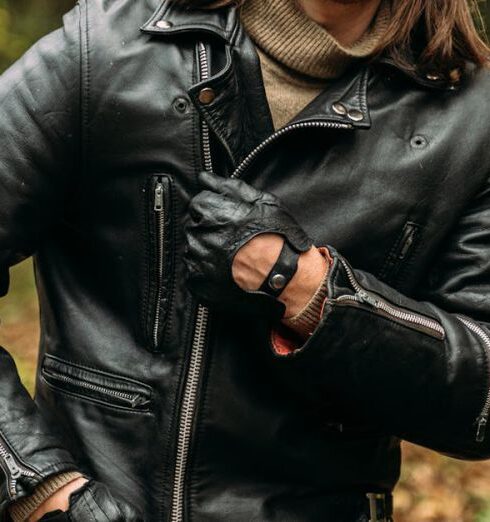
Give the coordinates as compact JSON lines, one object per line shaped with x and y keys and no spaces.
{"x":160,"y":234}
{"x":380,"y":306}
{"x":13,"y":467}
{"x":96,"y":386}
{"x":404,"y":246}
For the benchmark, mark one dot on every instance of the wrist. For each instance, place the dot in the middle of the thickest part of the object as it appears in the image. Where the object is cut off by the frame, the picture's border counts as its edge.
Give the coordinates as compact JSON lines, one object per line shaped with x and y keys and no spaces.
{"x":313,"y":266}
{"x":58,"y":499}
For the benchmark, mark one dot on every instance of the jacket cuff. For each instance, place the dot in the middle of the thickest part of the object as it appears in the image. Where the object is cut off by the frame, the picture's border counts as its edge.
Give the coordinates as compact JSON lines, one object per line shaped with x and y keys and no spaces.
{"x":302,"y":325}
{"x":20,"y":510}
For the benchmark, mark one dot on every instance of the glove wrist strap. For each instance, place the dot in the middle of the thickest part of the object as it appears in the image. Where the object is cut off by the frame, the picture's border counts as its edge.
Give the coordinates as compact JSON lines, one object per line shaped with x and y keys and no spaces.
{"x":282,"y":272}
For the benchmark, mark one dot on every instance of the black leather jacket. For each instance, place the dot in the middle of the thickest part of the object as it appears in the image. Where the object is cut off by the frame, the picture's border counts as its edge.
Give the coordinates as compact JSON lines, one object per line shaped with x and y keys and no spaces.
{"x":188,"y":413}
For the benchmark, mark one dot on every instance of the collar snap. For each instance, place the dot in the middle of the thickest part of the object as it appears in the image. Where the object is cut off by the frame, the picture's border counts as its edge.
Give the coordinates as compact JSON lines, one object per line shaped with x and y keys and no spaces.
{"x":164,"y":24}
{"x":339,"y":108}
{"x":355,"y":115}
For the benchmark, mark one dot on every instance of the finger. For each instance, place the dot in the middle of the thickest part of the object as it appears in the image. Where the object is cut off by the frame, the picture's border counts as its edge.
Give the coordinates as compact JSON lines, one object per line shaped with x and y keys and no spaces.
{"x":233,"y":187}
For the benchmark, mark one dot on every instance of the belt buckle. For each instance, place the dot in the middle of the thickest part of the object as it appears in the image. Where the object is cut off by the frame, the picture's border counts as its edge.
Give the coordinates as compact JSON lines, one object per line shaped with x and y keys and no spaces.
{"x":377,"y":500}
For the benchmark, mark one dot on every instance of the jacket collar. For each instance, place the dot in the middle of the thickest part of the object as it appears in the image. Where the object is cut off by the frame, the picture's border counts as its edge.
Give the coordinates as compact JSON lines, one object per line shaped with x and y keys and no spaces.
{"x":171,"y":18}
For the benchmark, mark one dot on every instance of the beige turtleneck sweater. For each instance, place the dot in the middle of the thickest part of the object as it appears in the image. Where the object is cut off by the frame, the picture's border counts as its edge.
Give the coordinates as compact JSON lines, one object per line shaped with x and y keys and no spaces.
{"x":298,"y":57}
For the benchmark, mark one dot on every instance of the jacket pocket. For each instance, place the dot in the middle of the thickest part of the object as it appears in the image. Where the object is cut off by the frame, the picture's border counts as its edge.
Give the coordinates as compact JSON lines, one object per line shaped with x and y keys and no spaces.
{"x":400,"y":253}
{"x":95,"y":386}
{"x":159,"y":260}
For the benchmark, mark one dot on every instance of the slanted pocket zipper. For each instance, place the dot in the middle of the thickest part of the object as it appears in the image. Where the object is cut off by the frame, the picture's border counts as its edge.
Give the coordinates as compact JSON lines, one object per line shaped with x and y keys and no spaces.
{"x":482,"y":419}
{"x":113,"y":391}
{"x":374,"y":303}
{"x":13,"y":468}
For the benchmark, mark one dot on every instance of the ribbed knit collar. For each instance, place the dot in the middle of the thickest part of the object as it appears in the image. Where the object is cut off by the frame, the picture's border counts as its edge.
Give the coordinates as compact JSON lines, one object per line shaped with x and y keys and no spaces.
{"x":293,"y":39}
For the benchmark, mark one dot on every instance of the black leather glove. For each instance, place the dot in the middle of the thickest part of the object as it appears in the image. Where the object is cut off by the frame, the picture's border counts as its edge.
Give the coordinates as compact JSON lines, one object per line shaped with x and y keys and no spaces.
{"x":94,"y":503}
{"x":222,"y":218}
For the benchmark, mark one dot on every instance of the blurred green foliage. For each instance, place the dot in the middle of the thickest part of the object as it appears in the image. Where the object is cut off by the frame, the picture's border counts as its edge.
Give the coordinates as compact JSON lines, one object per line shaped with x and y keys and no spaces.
{"x":22,"y":22}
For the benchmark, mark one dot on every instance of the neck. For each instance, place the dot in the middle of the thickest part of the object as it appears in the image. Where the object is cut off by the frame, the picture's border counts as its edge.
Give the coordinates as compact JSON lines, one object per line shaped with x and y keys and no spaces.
{"x":345,"y":20}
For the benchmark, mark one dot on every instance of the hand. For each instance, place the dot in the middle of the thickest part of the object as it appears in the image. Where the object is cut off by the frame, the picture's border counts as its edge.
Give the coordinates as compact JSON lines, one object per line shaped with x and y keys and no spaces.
{"x":226,"y":215}
{"x":254,"y":260}
{"x":93,"y":503}
{"x":58,"y":501}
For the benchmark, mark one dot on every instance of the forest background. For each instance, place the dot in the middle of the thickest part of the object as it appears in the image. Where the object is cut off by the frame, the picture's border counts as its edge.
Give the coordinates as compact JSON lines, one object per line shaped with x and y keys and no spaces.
{"x":433,"y":488}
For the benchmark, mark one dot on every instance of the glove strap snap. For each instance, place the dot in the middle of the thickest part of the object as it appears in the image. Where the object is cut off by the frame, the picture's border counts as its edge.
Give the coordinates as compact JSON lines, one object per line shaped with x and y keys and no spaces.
{"x":282,"y":272}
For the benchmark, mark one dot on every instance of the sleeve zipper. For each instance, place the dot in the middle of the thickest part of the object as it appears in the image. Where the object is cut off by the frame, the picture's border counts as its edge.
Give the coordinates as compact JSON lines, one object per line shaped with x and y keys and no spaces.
{"x":382,"y":307}
{"x":14,"y":469}
{"x":423,"y":324}
{"x":482,"y":419}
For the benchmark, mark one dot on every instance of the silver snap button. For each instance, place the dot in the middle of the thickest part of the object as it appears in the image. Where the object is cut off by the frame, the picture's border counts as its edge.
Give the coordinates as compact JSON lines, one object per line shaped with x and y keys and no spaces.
{"x":433,"y":77}
{"x":339,"y":108}
{"x":277,"y":282}
{"x":355,"y":115}
{"x":164,"y":24}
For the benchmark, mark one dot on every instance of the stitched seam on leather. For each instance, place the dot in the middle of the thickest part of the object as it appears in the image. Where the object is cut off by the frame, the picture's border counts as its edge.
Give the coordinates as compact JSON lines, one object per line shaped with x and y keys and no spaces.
{"x":388,"y":262}
{"x":85,"y":82}
{"x":363,"y":90}
{"x":83,"y":499}
{"x":98,"y":371}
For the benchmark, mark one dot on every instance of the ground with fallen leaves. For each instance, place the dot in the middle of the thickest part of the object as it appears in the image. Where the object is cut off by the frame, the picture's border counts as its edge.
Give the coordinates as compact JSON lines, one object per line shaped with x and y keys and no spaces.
{"x":432,"y":489}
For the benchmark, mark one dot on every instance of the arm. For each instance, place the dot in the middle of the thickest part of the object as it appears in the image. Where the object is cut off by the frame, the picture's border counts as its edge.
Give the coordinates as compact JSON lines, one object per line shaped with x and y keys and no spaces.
{"x":416,"y":368}
{"x":419,"y":369}
{"x":39,"y":99}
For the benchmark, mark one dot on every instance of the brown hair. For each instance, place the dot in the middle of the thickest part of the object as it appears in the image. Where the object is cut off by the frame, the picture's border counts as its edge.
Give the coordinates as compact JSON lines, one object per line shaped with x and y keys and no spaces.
{"x":423,"y":37}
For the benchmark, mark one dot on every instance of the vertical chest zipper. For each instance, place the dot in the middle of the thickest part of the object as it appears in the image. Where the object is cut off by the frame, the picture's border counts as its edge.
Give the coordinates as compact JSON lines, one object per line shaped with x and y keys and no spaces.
{"x":159,"y":210}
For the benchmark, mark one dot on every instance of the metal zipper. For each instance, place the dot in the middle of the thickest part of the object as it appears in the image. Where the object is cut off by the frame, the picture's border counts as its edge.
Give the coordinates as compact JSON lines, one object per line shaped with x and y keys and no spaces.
{"x":189,"y":398}
{"x":482,"y":419}
{"x":13,"y":469}
{"x":191,"y":388}
{"x":278,"y":134}
{"x":159,"y":210}
{"x":401,"y":315}
{"x":134,"y":400}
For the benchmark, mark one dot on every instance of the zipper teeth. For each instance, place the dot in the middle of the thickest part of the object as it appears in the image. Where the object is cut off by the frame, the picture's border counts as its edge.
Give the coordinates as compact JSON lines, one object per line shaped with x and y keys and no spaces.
{"x":160,"y":219}
{"x":191,"y":388}
{"x":273,"y":137}
{"x":403,"y":315}
{"x":20,"y":471}
{"x":132,"y":398}
{"x":188,"y":410}
{"x":485,"y":412}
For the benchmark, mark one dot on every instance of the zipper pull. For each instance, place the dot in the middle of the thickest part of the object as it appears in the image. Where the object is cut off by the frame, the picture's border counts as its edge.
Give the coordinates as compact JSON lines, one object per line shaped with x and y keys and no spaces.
{"x":139,"y":400}
{"x":366,"y":298}
{"x":158,"y":207}
{"x":481,"y":428}
{"x":12,"y":466}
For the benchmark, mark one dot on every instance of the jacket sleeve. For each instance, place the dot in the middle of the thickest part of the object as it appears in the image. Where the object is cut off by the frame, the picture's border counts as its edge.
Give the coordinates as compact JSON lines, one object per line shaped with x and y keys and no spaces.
{"x":39,"y":98}
{"x":418,"y":369}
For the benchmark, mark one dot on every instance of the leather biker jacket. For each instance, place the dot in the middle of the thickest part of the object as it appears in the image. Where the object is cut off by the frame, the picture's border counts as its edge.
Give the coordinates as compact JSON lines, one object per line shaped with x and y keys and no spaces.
{"x":190,"y":414}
